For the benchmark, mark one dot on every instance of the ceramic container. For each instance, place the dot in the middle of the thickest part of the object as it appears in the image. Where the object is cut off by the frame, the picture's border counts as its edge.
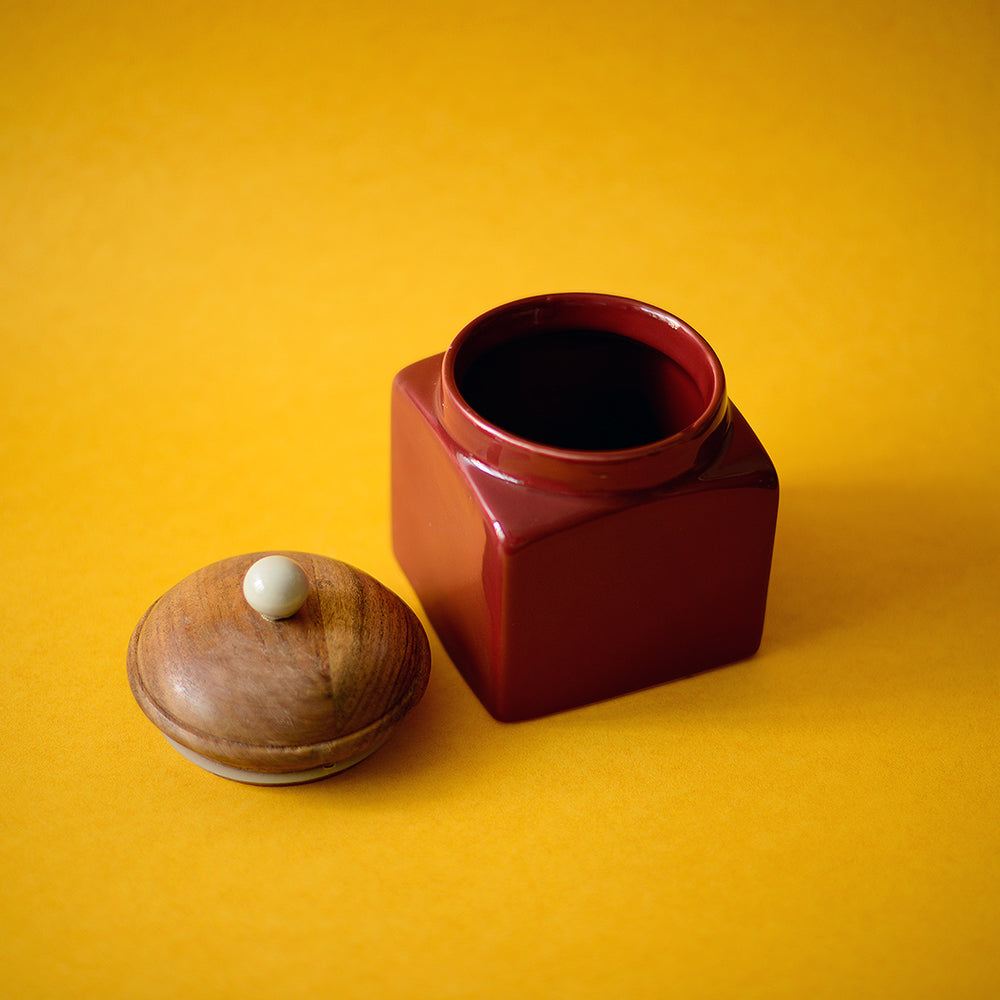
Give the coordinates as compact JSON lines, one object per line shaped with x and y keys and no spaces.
{"x":579,"y":507}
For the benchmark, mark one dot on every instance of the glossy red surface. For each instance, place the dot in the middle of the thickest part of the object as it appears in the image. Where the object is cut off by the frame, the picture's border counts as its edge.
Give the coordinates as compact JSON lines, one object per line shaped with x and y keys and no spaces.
{"x":580,"y":509}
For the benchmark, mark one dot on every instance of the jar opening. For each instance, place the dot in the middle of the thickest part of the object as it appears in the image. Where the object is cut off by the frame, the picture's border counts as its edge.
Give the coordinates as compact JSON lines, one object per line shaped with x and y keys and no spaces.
{"x":584,"y":390}
{"x":579,"y":389}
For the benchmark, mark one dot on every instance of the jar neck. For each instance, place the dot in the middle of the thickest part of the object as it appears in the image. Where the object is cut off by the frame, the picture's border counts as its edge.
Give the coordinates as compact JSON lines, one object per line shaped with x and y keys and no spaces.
{"x":584,"y":392}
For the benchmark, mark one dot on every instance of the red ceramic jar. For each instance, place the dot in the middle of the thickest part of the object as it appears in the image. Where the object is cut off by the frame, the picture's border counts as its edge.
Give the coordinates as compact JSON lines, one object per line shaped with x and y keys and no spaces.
{"x":578,"y":506}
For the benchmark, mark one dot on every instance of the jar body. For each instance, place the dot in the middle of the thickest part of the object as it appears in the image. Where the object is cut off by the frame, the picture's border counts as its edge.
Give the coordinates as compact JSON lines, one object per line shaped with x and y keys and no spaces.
{"x":580,"y":509}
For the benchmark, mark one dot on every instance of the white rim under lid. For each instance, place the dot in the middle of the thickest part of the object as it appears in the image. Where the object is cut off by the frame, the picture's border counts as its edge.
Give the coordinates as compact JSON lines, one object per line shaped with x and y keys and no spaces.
{"x":262,"y":778}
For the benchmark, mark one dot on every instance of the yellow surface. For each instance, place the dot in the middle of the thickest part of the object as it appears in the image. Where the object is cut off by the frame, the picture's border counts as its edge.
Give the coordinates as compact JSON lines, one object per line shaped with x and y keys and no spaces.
{"x":225,"y":226}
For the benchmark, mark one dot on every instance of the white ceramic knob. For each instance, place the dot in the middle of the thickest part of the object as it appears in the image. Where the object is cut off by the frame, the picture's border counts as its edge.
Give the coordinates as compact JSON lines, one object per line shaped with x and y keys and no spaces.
{"x":276,"y":587}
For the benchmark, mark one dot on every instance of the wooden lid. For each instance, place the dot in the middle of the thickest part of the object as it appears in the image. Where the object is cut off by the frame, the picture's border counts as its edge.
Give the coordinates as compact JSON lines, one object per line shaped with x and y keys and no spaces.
{"x":278,"y":701}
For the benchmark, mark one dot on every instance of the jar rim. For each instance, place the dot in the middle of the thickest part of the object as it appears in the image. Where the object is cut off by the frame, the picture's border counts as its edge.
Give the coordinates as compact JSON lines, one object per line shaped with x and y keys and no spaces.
{"x":643,"y":465}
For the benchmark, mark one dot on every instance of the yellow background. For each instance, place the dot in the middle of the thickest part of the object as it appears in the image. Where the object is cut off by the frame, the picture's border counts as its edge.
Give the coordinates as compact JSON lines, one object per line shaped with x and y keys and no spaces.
{"x":225,"y":226}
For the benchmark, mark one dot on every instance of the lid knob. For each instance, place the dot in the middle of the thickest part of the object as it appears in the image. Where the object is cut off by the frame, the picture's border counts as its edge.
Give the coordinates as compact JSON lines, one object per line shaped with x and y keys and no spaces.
{"x":275,"y":587}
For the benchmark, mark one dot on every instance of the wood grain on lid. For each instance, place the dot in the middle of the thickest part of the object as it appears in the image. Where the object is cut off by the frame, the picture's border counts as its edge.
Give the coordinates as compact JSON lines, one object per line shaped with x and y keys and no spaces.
{"x":282,"y":696}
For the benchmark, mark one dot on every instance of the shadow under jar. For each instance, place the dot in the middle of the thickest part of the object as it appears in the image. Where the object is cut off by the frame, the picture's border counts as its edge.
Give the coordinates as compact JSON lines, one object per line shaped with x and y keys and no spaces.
{"x":580,"y":509}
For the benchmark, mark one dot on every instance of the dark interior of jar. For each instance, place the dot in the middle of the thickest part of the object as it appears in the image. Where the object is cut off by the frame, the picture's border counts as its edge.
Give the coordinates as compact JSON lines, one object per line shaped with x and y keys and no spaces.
{"x":585,"y":390}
